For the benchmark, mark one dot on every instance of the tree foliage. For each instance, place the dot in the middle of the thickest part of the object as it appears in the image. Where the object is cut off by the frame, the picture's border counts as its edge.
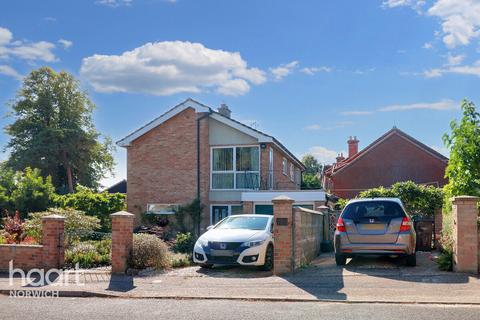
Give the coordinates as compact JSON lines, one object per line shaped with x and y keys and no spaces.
{"x":26,"y":191}
{"x":100,"y":205}
{"x":312,"y":165}
{"x":310,"y":178}
{"x":419,"y":200}
{"x":463,"y":170}
{"x":53,"y":131}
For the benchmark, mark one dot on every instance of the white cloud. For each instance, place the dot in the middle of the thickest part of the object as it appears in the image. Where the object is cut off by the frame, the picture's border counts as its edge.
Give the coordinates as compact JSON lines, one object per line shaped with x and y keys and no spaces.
{"x":427,"y":45}
{"x":473,"y":70}
{"x":322,"y":154}
{"x":170,"y":67}
{"x":312,"y":70}
{"x":460,"y":20}
{"x":30,"y":51}
{"x":65,"y":43}
{"x":115,"y":3}
{"x":5,"y":36}
{"x":283,"y":70}
{"x":50,"y":19}
{"x":356,"y":113}
{"x":9,"y":71}
{"x":329,"y":126}
{"x":402,"y":3}
{"x":438,"y":106}
{"x":454,"y":60}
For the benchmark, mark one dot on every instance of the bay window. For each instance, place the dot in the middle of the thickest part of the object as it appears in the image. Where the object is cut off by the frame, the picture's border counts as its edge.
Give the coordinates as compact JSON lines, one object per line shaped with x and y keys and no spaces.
{"x":235,"y":168}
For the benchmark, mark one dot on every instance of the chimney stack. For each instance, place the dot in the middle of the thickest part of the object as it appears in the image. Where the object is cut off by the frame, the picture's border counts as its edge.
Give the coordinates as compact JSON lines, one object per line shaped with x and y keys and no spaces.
{"x":224,"y":110}
{"x":340,"y":157}
{"x":352,"y":146}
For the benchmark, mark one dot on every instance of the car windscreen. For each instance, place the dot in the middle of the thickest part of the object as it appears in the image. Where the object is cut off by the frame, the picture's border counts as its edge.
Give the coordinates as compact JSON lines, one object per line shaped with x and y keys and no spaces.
{"x":251,"y":223}
{"x":378,"y":210}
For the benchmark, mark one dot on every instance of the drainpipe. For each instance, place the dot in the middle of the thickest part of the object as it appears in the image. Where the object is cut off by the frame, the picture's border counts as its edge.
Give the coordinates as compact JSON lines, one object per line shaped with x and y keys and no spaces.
{"x":198,"y":157}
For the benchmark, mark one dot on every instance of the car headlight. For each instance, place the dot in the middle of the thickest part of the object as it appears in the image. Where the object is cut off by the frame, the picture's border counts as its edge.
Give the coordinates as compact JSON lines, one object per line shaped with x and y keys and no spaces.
{"x":203,"y":242}
{"x":253,"y":243}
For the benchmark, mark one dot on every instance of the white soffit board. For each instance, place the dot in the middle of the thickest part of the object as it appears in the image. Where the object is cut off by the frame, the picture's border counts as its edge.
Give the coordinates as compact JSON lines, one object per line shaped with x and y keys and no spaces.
{"x":297,"y":196}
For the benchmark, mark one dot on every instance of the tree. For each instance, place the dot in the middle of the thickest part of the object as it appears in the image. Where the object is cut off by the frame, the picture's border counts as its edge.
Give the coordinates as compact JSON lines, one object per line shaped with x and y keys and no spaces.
{"x":310,"y":178}
{"x":54,"y":131}
{"x":311,"y":164}
{"x":463,"y":170}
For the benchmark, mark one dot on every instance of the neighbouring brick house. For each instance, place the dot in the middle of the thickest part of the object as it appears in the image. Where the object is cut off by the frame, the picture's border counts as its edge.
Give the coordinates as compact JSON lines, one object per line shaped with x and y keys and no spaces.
{"x":192,"y":151}
{"x":394,"y":157}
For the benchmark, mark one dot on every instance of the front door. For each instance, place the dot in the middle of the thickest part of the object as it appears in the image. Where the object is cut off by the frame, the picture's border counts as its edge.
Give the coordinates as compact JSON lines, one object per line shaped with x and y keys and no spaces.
{"x":218,"y":213}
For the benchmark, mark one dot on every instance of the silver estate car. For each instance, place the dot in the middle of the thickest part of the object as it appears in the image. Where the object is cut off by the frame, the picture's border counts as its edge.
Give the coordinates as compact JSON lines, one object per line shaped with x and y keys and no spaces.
{"x":375,"y":226}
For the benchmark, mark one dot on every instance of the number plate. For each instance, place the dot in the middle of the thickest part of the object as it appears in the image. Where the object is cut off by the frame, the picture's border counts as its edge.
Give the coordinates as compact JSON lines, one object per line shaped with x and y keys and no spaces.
{"x":376,"y":226}
{"x":222,"y":253}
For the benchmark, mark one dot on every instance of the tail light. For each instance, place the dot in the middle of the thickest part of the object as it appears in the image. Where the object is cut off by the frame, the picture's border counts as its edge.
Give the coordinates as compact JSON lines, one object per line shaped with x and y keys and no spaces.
{"x":406,"y":225}
{"x":341,"y":226}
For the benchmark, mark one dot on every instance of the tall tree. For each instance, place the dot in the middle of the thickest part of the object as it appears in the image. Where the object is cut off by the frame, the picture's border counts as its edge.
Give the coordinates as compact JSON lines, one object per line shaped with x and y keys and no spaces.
{"x":54,"y":131}
{"x":463,"y":170}
{"x":312,"y":164}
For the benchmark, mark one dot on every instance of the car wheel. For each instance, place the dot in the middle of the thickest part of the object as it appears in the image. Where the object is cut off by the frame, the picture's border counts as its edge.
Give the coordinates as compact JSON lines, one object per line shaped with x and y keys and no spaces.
{"x":268,"y":265}
{"x":340,"y":259}
{"x":411,"y":260}
{"x":206,"y":266}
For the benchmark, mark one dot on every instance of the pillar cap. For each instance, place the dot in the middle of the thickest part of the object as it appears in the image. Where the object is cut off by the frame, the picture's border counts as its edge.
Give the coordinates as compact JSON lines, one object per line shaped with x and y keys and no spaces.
{"x":122,"y":214}
{"x":53,"y":217}
{"x":465,"y":199}
{"x":282,"y":198}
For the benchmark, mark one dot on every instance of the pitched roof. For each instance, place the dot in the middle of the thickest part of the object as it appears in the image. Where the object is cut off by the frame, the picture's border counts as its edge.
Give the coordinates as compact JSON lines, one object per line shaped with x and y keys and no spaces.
{"x":336,"y":167}
{"x":199,"y":107}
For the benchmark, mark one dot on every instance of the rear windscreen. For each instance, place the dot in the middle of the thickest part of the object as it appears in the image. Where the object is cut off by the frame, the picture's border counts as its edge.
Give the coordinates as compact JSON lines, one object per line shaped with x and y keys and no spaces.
{"x":381,"y":210}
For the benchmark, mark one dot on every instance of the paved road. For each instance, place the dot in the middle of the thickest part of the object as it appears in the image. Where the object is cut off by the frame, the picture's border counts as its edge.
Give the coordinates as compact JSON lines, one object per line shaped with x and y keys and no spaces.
{"x":97,"y":308}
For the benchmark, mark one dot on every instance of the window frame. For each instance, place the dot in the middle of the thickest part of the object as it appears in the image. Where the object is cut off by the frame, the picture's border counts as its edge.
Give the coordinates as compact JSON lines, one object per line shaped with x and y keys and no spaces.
{"x":229,"y":211}
{"x":234,"y":171}
{"x":284,"y":166}
{"x":292,"y":172}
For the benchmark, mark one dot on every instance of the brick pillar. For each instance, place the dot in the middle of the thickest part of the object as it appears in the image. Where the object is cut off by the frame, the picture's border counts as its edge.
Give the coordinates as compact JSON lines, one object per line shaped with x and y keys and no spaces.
{"x":283,"y":234}
{"x":53,"y":233}
{"x":122,"y":240}
{"x":438,"y":218}
{"x":465,"y":234}
{"x":248,"y":207}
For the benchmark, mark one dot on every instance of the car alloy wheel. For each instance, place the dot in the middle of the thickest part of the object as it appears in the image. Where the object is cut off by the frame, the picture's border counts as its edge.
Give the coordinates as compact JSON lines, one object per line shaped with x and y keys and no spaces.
{"x":268,"y":259}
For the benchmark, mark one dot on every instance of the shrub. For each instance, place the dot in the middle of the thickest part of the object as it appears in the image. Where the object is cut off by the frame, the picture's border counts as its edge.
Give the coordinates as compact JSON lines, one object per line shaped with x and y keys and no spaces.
{"x":149,"y":252}
{"x":419,"y":200}
{"x":179,"y":260}
{"x":77,"y":224}
{"x":188,"y":217}
{"x":96,"y":204}
{"x":89,"y":254}
{"x":445,"y":261}
{"x":13,"y":228}
{"x":184,"y":243}
{"x":3,"y":239}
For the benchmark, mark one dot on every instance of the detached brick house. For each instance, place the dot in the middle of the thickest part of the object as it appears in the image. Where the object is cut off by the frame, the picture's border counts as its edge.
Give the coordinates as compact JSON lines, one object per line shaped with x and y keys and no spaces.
{"x":394,"y":157}
{"x":192,"y":151}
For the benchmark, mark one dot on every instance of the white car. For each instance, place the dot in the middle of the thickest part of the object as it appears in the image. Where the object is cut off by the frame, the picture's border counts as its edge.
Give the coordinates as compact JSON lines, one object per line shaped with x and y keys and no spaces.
{"x":245,"y":239}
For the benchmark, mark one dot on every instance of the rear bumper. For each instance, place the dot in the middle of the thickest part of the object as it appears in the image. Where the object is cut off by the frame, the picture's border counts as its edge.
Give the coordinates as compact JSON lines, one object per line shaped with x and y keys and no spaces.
{"x":405,"y":245}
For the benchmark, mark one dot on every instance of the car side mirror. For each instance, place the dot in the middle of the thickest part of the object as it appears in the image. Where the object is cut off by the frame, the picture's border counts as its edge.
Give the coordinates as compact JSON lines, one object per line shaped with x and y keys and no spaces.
{"x":209,"y":227}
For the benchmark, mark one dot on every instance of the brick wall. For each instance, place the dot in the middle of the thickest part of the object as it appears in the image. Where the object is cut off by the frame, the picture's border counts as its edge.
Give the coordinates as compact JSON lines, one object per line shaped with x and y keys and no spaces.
{"x":48,"y":255}
{"x":311,"y":234}
{"x":162,"y":165}
{"x":465,"y":234}
{"x":298,"y":234}
{"x":281,"y":181}
{"x":394,"y":160}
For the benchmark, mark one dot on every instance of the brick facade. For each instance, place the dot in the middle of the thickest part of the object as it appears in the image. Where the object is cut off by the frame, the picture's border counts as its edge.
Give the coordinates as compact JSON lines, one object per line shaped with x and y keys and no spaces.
{"x":48,"y":255}
{"x":283,"y":233}
{"x":396,"y":157}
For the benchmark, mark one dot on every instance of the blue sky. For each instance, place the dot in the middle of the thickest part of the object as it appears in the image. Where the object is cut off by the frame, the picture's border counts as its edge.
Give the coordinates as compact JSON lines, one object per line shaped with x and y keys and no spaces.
{"x":310,"y":73}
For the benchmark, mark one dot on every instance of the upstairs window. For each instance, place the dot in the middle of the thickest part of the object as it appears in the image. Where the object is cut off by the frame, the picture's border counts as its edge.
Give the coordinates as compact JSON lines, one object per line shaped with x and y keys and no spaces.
{"x":284,"y":166}
{"x":235,"y":168}
{"x":292,"y":172}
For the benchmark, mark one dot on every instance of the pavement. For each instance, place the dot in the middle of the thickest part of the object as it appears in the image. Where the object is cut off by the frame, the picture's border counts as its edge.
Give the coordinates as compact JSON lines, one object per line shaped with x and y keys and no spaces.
{"x":120,"y":309}
{"x":362,"y":280}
